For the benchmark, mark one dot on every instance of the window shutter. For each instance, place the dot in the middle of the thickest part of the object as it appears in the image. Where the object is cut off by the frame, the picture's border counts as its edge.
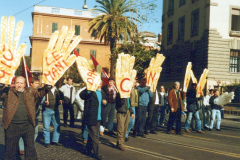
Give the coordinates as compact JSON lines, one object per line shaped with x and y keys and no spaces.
{"x":77,"y":30}
{"x":54,"y":27}
{"x":94,"y":53}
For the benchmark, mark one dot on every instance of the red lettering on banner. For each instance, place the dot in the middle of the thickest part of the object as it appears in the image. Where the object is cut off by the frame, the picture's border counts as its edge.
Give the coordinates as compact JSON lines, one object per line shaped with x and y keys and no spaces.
{"x":48,"y":63}
{"x":90,"y":80}
{"x":9,"y":59}
{"x":49,"y":74}
{"x":5,"y":64}
{"x":54,"y":71}
{"x":151,"y":77}
{"x":91,"y":74}
{"x":125,"y":79}
{"x":56,"y":57}
{"x":4,"y":73}
{"x":3,"y":48}
{"x":65,"y":62}
{"x":59,"y":66}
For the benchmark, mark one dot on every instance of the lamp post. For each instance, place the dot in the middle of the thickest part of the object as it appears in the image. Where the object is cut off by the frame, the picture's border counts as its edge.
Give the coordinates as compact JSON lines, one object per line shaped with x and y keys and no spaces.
{"x":85,"y":5}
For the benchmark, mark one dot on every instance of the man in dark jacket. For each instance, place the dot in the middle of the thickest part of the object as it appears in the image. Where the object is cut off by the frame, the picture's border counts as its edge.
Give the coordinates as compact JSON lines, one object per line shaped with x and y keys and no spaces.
{"x":19,"y":118}
{"x":51,"y":114}
{"x":92,"y":117}
{"x":216,"y":111}
{"x":192,"y":107}
{"x":124,"y":111}
{"x":109,"y":111}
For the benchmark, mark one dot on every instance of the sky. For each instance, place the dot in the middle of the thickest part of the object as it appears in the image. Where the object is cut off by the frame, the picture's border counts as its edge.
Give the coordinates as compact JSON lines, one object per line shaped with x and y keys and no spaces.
{"x":22,"y":9}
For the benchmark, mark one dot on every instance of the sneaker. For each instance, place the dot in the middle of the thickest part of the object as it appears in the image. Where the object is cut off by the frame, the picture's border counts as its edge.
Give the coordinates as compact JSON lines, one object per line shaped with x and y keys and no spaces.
{"x":186,"y":130}
{"x":121,"y":148}
{"x":126,"y":139}
{"x":210,"y":129}
{"x":218,"y":129}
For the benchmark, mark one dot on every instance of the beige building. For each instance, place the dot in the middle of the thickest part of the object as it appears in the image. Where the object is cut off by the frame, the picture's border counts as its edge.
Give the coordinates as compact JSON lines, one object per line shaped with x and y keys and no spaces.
{"x":204,"y":32}
{"x":48,"y":19}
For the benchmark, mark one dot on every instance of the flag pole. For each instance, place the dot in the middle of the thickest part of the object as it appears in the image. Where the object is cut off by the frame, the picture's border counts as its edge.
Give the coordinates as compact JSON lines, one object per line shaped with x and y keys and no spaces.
{"x":24,"y":63}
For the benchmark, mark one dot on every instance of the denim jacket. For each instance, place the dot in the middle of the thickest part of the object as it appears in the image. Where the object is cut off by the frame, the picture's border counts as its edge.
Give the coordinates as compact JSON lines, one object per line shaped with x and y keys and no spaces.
{"x":144,"y":94}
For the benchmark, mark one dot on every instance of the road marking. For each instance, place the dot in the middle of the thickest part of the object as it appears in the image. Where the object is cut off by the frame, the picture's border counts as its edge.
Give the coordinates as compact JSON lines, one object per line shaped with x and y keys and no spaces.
{"x":208,"y":139}
{"x":225,"y":135}
{"x":197,"y":148}
{"x":142,"y":151}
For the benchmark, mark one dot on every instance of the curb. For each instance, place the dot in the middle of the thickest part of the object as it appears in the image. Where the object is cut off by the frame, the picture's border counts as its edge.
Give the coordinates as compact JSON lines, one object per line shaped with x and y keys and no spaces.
{"x":235,"y":113}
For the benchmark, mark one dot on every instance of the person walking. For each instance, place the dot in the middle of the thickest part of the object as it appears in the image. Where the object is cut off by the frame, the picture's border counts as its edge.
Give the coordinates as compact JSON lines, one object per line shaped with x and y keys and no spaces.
{"x":192,"y":108}
{"x":216,"y":111}
{"x":19,"y":118}
{"x":69,"y":93}
{"x":176,"y":108}
{"x":93,"y":101}
{"x":50,"y":113}
{"x":109,"y":110}
{"x":134,"y":99}
{"x":207,"y":109}
{"x":144,"y":96}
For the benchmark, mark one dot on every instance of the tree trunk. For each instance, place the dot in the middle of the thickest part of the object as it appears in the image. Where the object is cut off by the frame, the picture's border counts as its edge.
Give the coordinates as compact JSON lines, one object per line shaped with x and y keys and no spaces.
{"x":113,"y":57}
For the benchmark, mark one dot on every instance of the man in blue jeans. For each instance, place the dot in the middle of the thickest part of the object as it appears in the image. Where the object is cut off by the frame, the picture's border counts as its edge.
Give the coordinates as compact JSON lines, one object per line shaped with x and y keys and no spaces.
{"x":192,"y":107}
{"x":51,"y":114}
{"x":216,"y":111}
{"x":144,"y":95}
{"x":109,"y":109}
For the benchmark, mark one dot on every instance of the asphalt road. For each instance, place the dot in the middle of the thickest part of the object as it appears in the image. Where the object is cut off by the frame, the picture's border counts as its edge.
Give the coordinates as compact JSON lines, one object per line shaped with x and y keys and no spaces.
{"x":219,"y":145}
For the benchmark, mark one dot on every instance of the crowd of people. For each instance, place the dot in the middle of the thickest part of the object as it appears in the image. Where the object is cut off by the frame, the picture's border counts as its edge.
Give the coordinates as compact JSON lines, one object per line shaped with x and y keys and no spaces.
{"x":142,"y":113}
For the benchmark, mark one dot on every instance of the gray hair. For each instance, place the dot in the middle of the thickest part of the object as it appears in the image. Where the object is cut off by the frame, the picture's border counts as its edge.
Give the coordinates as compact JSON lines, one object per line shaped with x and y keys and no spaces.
{"x":176,"y":83}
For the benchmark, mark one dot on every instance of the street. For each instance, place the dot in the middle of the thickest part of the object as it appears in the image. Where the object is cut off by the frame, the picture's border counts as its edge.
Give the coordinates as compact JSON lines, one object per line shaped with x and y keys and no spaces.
{"x":212,"y":145}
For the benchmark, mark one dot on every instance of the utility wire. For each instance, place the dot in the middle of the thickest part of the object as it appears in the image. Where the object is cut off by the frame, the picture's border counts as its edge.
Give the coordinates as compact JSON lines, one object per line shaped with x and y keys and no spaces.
{"x":28,"y":8}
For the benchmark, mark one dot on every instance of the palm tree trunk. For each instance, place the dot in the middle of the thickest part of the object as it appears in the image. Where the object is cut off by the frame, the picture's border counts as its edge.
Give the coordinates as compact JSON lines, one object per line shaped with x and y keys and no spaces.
{"x":113,"y":57}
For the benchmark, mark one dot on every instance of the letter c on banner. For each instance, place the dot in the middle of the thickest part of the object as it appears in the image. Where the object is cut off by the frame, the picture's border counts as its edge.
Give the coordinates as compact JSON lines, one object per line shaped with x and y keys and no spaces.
{"x":125,"y":79}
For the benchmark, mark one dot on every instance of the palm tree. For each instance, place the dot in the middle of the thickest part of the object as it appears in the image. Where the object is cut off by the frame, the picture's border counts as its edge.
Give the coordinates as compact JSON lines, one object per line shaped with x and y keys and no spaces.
{"x":113,"y":24}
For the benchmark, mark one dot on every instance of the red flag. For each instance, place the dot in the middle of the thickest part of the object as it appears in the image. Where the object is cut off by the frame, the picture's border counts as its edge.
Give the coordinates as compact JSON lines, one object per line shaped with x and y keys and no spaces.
{"x":104,"y":75}
{"x":25,"y":69}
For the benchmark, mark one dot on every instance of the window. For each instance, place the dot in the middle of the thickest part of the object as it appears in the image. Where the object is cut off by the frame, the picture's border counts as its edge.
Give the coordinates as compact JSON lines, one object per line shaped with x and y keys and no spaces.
{"x":94,"y":33}
{"x":181,"y":28}
{"x":94,"y":14}
{"x":94,"y":53}
{"x":170,"y":7}
{"x":234,"y":61}
{"x":78,"y":12}
{"x":170,"y":33}
{"x":55,"y":10}
{"x":54,"y":27}
{"x":195,"y":23}
{"x":235,"y":20}
{"x":182,"y":2}
{"x":77,"y":30}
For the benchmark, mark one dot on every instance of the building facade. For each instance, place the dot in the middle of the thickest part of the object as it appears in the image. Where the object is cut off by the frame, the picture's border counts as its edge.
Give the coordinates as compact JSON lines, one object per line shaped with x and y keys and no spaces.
{"x":204,"y":32}
{"x":48,"y":19}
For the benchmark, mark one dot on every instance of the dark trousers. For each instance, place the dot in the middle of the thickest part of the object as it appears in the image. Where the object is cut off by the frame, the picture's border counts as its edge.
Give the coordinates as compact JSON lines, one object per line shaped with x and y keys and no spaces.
{"x":108,"y":113}
{"x":140,"y":119}
{"x":172,"y":117}
{"x":93,"y":139}
{"x":162,"y":114}
{"x":12,"y":136}
{"x":152,"y":118}
{"x":69,"y":107}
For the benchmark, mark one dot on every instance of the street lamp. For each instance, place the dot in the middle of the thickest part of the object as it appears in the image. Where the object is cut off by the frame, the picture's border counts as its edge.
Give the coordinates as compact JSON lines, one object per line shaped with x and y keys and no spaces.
{"x":85,"y":5}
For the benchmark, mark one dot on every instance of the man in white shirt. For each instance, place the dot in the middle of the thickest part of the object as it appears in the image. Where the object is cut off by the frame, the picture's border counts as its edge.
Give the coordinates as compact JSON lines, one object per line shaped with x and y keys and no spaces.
{"x":69,"y":93}
{"x":153,"y":109}
{"x":207,"y":109}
